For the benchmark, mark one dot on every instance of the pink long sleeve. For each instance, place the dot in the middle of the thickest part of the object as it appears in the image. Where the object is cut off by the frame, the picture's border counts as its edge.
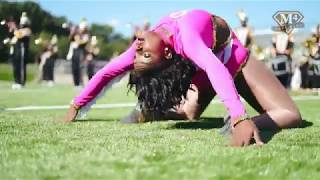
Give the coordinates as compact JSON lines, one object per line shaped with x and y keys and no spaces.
{"x":192,"y":38}
{"x":219,"y":76}
{"x":114,"y":68}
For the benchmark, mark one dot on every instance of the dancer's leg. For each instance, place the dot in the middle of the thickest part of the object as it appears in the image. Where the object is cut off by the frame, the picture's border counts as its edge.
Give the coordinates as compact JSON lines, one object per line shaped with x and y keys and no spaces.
{"x":278,"y":109}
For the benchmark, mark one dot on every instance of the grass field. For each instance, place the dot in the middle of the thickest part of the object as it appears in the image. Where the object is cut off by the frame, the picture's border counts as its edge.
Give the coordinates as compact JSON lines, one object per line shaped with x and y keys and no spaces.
{"x":34,"y":145}
{"x":6,"y":72}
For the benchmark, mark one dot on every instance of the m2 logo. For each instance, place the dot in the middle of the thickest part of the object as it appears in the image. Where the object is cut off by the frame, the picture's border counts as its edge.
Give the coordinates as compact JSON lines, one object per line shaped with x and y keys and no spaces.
{"x":178,"y":14}
{"x":288,"y":20}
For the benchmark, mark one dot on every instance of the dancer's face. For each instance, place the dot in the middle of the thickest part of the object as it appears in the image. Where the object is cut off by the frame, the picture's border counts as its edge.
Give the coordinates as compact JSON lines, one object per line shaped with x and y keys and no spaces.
{"x":150,"y":51}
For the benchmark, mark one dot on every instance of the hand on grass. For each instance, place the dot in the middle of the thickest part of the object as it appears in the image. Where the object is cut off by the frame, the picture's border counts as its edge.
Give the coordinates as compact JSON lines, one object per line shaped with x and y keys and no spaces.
{"x":71,"y":115}
{"x":244,"y":132}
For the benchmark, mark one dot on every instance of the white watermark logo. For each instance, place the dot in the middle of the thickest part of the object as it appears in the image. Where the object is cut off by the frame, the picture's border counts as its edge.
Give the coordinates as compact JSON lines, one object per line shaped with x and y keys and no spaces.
{"x":287,"y":21}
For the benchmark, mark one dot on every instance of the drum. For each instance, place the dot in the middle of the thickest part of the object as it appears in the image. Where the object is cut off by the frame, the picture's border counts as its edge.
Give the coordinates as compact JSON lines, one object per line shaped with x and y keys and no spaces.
{"x":280,"y":66}
{"x":314,"y":72}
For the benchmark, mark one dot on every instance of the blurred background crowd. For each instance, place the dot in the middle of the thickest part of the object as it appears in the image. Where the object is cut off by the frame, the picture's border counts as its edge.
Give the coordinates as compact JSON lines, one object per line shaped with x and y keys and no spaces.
{"x":58,"y":49}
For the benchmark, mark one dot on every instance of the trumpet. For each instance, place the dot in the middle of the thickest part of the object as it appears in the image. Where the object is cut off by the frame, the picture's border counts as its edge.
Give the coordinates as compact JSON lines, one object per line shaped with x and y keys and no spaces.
{"x":3,"y":22}
{"x":38,"y":41}
{"x":66,"y":25}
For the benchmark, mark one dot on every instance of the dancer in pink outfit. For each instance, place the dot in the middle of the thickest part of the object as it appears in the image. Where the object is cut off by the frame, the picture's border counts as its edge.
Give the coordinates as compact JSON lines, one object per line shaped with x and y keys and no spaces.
{"x":182,"y":63}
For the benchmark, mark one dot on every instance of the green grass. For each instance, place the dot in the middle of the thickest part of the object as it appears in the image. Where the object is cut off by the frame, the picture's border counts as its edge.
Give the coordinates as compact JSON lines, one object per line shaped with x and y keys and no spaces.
{"x":6,"y":72}
{"x":33,"y":145}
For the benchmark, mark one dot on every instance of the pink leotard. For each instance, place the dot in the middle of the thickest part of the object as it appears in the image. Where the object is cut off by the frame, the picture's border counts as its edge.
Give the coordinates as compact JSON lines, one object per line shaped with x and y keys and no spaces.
{"x":191,"y":36}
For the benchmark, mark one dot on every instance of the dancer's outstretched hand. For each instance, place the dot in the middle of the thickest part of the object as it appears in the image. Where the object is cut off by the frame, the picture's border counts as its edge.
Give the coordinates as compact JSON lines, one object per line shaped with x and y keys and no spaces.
{"x":244,"y":132}
{"x":71,"y":114}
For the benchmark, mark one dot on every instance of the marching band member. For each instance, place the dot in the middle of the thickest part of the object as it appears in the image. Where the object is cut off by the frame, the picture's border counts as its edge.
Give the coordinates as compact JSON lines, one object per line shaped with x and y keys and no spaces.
{"x":81,"y":39}
{"x":282,"y":50}
{"x":244,"y":32}
{"x":21,"y":51}
{"x":47,"y":59}
{"x":92,"y":50}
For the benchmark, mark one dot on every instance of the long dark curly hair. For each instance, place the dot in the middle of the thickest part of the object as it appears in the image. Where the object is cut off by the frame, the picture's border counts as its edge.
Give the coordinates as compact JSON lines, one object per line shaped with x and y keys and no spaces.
{"x":160,"y":90}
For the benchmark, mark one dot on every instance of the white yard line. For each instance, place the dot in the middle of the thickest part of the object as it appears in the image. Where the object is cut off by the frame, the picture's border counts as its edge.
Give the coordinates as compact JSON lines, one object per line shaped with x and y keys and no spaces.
{"x":57,"y":107}
{"x":123,"y":105}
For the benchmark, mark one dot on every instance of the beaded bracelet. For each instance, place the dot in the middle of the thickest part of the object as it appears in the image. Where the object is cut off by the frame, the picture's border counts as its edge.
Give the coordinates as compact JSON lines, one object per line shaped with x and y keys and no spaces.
{"x":240,"y":119}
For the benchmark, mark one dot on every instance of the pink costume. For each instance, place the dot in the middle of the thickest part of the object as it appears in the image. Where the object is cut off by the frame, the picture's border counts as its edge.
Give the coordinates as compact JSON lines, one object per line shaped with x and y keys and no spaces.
{"x":191,"y":36}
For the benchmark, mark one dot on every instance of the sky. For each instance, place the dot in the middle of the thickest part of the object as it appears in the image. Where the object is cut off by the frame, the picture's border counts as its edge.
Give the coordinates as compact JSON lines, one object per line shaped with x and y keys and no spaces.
{"x":122,"y":13}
